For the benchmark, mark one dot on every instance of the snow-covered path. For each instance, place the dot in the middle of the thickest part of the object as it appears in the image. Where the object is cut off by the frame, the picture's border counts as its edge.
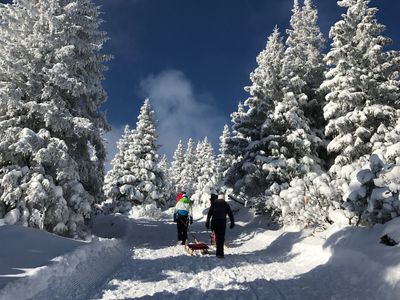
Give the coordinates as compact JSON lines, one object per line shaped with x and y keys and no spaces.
{"x":259,"y":264}
{"x":143,"y":261}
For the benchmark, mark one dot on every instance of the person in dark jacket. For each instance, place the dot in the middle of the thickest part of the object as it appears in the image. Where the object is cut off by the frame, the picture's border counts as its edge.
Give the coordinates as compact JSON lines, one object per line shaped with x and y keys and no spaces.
{"x":217,"y":214}
{"x":213,"y":197}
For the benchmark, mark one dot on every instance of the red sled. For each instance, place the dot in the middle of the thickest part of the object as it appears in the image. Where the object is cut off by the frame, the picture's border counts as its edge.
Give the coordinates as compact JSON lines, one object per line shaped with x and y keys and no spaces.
{"x":198,"y":246}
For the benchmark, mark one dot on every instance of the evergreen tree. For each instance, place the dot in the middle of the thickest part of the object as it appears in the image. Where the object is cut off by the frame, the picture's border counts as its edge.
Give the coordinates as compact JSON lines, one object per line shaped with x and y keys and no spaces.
{"x":52,"y":152}
{"x":238,"y":142}
{"x":254,"y":170}
{"x":207,"y":176}
{"x":135,"y":178}
{"x":362,"y":90}
{"x":189,"y":169}
{"x":302,"y":74}
{"x":297,"y":124}
{"x":122,"y":165}
{"x":225,"y":159}
{"x":167,"y":182}
{"x":178,"y":165}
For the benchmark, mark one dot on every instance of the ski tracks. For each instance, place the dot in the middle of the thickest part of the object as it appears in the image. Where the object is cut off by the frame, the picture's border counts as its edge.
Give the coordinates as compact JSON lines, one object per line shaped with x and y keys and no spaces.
{"x":274,"y":292}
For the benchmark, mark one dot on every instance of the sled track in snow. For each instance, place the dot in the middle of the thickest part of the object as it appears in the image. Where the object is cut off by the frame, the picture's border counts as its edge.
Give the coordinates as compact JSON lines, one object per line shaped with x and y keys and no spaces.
{"x":277,"y":294}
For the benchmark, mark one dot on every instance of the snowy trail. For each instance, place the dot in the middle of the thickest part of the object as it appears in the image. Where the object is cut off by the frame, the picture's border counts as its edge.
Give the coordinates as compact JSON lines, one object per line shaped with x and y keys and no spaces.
{"x":159,"y":268}
{"x":145,"y":262}
{"x":161,"y":272}
{"x":259,"y":264}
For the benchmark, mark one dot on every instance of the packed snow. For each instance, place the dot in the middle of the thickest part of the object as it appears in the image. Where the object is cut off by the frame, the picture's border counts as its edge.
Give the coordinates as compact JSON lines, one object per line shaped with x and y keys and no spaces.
{"x":140,"y":259}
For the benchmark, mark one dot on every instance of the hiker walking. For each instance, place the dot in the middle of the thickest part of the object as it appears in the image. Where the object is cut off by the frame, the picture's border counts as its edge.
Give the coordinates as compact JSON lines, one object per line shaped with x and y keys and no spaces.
{"x":180,"y":195}
{"x":213,"y":197}
{"x":183,"y":217}
{"x":217,"y":213}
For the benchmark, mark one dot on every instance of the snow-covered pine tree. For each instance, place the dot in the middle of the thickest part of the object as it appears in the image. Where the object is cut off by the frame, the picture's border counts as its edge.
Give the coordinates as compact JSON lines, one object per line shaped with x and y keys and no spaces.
{"x":255,"y":169}
{"x":197,"y":165}
{"x":135,"y":177}
{"x":302,"y":74}
{"x":189,"y":169}
{"x":224,"y":159}
{"x":237,"y":144}
{"x":167,"y":183}
{"x":314,"y":68}
{"x":178,"y":165}
{"x":121,"y":171}
{"x":207,"y":174}
{"x":362,"y":91}
{"x":52,"y":152}
{"x":297,"y":121}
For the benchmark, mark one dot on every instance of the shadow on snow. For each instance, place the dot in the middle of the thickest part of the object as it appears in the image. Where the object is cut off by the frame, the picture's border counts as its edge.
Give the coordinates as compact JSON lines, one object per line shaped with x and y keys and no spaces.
{"x":333,"y":280}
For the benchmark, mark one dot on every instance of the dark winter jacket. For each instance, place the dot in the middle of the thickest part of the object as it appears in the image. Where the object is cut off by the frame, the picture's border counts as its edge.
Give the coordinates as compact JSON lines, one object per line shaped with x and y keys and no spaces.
{"x":219,"y":210}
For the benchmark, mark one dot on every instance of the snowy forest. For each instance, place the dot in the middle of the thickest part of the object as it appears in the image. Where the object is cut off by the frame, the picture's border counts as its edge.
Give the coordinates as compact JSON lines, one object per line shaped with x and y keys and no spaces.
{"x":317,"y":139}
{"x":309,"y":167}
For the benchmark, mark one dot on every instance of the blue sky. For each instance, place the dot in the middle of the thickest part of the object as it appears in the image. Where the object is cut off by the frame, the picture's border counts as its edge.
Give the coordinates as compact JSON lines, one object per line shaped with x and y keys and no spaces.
{"x":193,"y":58}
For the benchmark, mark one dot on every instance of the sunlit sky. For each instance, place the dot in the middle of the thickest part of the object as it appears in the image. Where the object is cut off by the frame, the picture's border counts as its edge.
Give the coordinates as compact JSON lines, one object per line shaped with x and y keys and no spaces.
{"x":193,"y":58}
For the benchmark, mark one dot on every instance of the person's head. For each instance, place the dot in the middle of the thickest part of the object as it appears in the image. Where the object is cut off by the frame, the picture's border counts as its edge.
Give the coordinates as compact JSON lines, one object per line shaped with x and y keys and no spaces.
{"x":213,"y":197}
{"x":221,"y":196}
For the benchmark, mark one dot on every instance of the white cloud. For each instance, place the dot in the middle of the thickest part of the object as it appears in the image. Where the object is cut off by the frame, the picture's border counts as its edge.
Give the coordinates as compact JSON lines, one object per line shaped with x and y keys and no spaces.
{"x":181,"y":113}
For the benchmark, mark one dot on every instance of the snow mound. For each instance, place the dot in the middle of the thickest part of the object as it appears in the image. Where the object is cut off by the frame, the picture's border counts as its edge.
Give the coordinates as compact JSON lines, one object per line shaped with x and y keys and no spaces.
{"x":392,"y":230}
{"x":28,"y":249}
{"x":143,"y":211}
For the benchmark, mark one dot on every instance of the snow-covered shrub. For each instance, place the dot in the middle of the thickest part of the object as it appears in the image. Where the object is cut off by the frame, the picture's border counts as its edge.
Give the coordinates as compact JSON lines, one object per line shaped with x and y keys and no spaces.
{"x":391,"y":234}
{"x":373,"y":194}
{"x":145,"y":211}
{"x":306,"y":201}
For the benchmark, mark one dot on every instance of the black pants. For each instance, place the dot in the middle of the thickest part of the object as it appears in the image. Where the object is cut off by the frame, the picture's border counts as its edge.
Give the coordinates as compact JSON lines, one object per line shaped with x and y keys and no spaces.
{"x":182,"y":224}
{"x":219,"y":226}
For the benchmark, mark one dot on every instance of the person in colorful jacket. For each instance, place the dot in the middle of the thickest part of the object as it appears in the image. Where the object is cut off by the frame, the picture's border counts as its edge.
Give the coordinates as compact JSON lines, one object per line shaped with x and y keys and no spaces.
{"x":183,"y":216}
{"x":180,"y":195}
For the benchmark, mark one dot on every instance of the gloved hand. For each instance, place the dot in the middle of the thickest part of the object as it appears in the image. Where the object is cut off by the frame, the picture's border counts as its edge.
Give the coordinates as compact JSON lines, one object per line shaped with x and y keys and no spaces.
{"x":232,"y":225}
{"x":207,"y":225}
{"x":190,"y":220}
{"x":175,"y":218}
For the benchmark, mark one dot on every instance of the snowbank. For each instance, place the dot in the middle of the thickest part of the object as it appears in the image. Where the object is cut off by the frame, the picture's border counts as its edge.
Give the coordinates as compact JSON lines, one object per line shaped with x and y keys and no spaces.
{"x":23,"y":250}
{"x":53,"y":267}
